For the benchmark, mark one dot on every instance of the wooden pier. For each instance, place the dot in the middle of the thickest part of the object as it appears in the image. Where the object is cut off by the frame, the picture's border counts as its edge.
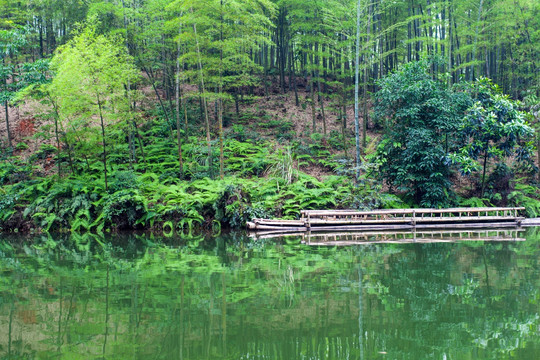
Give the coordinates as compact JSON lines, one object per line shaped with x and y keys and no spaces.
{"x":396,"y":219}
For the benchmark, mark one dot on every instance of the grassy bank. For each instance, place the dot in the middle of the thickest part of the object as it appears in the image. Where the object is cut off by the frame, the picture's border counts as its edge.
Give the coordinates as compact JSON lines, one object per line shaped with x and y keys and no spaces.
{"x":263,"y":179}
{"x":131,"y":175}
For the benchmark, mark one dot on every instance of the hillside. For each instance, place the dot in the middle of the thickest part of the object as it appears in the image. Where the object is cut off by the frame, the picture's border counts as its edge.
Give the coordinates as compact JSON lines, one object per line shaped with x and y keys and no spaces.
{"x":182,"y":116}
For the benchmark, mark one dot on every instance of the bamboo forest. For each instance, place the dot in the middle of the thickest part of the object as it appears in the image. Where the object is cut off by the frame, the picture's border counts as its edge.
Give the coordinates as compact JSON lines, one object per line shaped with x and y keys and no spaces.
{"x":392,"y":149}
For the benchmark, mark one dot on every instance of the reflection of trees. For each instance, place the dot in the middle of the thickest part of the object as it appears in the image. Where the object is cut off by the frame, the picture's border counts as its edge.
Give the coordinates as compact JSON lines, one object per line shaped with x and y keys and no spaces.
{"x":225,"y":298}
{"x":466,"y":284}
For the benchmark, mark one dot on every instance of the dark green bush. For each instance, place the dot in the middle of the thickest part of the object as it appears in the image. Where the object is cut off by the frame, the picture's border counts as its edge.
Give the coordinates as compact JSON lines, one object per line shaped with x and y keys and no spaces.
{"x":44,"y":152}
{"x":420,"y":116}
{"x":14,"y":172}
{"x":230,"y":207}
{"x":121,"y":180}
{"x":335,"y":140}
{"x":288,"y":136}
{"x":122,"y":209}
{"x":7,"y":207}
{"x":499,"y":182}
{"x":21,"y":146}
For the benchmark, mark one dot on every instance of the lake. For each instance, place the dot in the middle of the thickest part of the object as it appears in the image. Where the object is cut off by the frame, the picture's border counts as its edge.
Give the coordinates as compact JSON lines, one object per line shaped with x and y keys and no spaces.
{"x":232,"y":297}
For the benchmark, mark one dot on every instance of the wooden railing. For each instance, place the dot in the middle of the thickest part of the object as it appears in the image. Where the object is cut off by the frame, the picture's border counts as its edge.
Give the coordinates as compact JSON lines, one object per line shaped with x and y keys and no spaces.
{"x":411,"y":216}
{"x":334,"y":220}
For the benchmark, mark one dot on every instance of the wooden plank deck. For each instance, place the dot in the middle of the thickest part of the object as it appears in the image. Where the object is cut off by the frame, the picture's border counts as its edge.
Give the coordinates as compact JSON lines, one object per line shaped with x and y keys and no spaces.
{"x":530,"y":222}
{"x":330,"y":220}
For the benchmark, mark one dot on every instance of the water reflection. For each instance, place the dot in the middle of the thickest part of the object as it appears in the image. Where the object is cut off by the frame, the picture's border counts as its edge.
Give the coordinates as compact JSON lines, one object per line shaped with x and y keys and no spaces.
{"x":348,"y":238}
{"x":234,"y":298}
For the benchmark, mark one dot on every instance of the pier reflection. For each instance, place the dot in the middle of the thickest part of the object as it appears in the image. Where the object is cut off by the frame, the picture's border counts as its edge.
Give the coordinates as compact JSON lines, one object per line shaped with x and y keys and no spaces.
{"x":400,"y":237}
{"x":348,"y":238}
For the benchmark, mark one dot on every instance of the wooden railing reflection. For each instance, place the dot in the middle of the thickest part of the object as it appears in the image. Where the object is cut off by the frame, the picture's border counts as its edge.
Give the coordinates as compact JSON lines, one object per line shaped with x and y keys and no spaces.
{"x":397,"y":237}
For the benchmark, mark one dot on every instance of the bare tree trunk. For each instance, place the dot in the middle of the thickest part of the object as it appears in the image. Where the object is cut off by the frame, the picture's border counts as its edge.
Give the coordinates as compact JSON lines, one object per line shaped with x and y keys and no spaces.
{"x":313,"y":112}
{"x":104,"y":143}
{"x":321,"y":102}
{"x":177,"y":98}
{"x":484,"y":171}
{"x":365,"y":116}
{"x":343,"y":113}
{"x":57,"y":134}
{"x":186,"y":126}
{"x":476,"y":41}
{"x":356,"y":86}
{"x":131,"y":143}
{"x":449,"y":46}
{"x":220,"y":109}
{"x":153,"y":80}
{"x":184,"y":101}
{"x":207,"y":120}
{"x":6,"y":107}
{"x":293,"y":74}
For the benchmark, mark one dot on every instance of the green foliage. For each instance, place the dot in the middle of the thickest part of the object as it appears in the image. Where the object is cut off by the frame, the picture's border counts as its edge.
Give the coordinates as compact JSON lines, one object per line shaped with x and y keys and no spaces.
{"x":495,"y":129}
{"x":335,"y":140}
{"x":224,"y":48}
{"x":7,"y":206}
{"x":43,"y":152}
{"x":11,"y":42}
{"x":420,"y":116}
{"x":123,"y":209}
{"x":196,"y":163}
{"x":526,"y":196}
{"x":123,"y":180}
{"x":391,"y":201}
{"x":308,"y":193}
{"x":473,"y":202}
{"x":221,"y":59}
{"x":21,"y":146}
{"x":279,"y":125}
{"x":246,"y":158}
{"x":14,"y":171}
{"x":281,"y":129}
{"x":242,"y":134}
{"x":231,"y":206}
{"x":92,"y":73}
{"x":499,"y":184}
{"x":283,"y":167}
{"x":57,"y":205}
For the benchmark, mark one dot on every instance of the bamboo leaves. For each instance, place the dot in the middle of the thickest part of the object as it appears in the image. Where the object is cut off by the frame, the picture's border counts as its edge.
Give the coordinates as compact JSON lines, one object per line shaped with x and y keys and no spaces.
{"x":92,"y":73}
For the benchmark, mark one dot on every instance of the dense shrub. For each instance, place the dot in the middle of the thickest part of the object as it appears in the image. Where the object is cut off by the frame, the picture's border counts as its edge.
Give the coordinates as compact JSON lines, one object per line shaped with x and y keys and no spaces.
{"x":420,"y":116}
{"x":122,"y":209}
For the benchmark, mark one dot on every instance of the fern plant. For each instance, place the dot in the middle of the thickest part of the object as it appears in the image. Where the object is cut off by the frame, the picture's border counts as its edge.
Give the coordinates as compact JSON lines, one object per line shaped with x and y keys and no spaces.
{"x":7,"y":206}
{"x":526,"y":196}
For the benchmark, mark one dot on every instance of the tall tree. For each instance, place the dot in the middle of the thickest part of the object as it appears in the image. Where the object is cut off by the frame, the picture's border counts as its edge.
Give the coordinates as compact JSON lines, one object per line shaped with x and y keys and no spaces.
{"x":496,"y":129}
{"x":419,"y":113}
{"x":356,"y":88}
{"x":221,"y":54}
{"x":10,"y":43}
{"x":92,"y":73}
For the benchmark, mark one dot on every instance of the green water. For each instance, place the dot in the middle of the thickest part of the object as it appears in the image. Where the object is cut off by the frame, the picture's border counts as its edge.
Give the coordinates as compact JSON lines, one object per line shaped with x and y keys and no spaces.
{"x":232,"y":298}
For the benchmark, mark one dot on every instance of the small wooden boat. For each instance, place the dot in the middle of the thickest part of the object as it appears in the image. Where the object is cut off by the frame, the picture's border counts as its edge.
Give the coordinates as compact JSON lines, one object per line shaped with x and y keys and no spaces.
{"x":395,"y":219}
